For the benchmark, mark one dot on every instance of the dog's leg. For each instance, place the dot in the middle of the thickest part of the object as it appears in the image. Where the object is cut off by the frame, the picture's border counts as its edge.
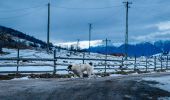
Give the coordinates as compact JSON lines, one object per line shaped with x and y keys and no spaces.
{"x":75,"y":76}
{"x":81,"y":75}
{"x":89,"y":72}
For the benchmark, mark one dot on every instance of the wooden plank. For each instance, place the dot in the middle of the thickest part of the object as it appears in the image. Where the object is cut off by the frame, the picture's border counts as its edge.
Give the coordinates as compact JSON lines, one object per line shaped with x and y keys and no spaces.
{"x":146,"y":64}
{"x":29,"y":59}
{"x":167,"y":62}
{"x":51,"y":59}
{"x":135,"y":64}
{"x":155,"y":63}
{"x":17,"y":60}
{"x":87,"y":59}
{"x":51,"y":65}
{"x":25,"y":65}
{"x":83,"y":57}
{"x":161,"y":63}
{"x":54,"y":70}
{"x":25,"y":71}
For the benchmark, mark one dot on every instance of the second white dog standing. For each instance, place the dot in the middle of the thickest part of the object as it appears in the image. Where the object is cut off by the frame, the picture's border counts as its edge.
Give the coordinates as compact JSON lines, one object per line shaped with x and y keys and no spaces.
{"x":79,"y":69}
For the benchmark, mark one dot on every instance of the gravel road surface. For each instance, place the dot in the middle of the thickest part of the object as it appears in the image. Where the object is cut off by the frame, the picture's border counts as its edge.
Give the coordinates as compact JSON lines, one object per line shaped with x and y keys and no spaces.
{"x":130,"y":87}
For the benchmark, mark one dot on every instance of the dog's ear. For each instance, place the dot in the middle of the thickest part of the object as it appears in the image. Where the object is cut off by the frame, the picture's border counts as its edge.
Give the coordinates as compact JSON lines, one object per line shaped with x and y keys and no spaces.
{"x":91,"y":63}
{"x":69,"y":67}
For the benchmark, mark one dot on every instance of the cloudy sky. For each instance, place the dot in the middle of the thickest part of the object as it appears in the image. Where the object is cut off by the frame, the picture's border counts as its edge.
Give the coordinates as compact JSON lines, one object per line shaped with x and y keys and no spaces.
{"x":149,"y":20}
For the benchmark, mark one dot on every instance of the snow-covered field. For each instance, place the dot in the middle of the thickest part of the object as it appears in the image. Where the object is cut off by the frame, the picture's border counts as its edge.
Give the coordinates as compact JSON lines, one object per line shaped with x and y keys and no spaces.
{"x":113,"y":66}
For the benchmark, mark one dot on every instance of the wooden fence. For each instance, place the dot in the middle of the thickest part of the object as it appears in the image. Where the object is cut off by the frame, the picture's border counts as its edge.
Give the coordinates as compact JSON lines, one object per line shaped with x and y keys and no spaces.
{"x":132,"y":64}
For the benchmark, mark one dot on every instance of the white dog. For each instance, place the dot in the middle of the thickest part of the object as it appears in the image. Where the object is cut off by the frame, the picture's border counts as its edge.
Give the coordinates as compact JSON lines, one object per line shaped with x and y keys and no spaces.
{"x":78,"y":69}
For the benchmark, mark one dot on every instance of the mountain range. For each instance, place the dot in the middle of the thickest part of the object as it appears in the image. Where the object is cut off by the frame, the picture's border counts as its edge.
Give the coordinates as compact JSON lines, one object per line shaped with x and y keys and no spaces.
{"x":11,"y":38}
{"x":139,"y":49}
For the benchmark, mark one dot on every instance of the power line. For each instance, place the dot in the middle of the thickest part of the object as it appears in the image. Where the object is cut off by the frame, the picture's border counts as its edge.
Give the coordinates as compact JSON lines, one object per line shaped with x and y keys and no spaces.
{"x":77,"y":8}
{"x":22,"y":9}
{"x":104,"y":17}
{"x":17,"y":16}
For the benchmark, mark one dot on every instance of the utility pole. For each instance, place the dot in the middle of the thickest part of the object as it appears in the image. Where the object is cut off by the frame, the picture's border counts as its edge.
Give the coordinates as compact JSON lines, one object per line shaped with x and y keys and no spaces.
{"x":78,"y":44}
{"x":106,"y":51}
{"x":106,"y":46}
{"x":90,"y":28}
{"x":48,"y":28}
{"x":126,"y":34}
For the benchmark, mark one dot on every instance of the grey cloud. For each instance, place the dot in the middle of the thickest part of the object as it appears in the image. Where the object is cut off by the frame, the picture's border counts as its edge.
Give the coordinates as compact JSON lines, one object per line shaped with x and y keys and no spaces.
{"x":72,"y":24}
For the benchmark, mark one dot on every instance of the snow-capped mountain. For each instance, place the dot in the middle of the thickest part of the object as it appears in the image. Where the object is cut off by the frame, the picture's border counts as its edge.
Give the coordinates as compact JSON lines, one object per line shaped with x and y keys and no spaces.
{"x":139,"y":49}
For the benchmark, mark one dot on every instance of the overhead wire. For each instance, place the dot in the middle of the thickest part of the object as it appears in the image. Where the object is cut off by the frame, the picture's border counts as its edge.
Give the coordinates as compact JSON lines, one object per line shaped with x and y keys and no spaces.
{"x":17,"y":16}
{"x":22,"y":9}
{"x":108,"y":7}
{"x":39,"y":6}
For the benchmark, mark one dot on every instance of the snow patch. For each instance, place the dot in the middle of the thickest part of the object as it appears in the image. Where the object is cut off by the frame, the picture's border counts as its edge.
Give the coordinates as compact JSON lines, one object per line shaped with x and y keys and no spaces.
{"x":164,"y":82}
{"x":22,"y":78}
{"x":164,"y":98}
{"x":134,"y":73}
{"x":115,"y":75}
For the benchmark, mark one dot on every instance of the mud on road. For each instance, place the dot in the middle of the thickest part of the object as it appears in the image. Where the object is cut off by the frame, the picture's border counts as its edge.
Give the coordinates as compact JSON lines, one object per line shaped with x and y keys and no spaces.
{"x":130,"y":87}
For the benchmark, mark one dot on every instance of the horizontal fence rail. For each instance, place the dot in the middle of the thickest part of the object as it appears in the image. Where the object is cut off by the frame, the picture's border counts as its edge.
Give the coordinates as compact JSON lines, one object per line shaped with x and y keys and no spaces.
{"x":51,"y":59}
{"x":132,"y":64}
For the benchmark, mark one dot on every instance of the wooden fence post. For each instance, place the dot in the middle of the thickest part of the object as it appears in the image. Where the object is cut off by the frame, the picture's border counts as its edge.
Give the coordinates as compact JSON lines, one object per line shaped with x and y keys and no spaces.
{"x":122,"y":62}
{"x":135,"y":64}
{"x":167,"y":62}
{"x":105,"y":67}
{"x":17,"y":61}
{"x":161,"y":63}
{"x":105,"y":64}
{"x":54,"y":71}
{"x":83,"y":56}
{"x":146,"y":64}
{"x":121,"y":67}
{"x":155,"y":63}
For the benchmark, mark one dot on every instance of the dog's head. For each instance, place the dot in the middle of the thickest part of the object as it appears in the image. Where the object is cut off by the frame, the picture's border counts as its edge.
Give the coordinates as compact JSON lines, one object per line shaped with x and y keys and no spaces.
{"x":69,"y":67}
{"x":91,"y":64}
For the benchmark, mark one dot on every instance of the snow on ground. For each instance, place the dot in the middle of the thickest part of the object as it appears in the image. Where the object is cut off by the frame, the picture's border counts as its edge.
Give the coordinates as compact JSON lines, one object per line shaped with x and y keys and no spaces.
{"x":115,"y":75}
{"x":164,"y":98}
{"x":128,"y":65}
{"x":42,"y":54}
{"x":164,"y":82}
{"x":26,"y":53}
{"x":22,"y":78}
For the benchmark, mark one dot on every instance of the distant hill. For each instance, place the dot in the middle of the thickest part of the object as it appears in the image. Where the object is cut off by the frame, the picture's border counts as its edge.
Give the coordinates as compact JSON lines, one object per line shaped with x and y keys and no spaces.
{"x":140,"y":49}
{"x":13,"y":39}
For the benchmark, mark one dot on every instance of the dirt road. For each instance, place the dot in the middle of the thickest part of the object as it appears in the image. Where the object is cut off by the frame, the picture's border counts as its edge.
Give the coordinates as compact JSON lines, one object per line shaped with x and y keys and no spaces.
{"x":129,"y":87}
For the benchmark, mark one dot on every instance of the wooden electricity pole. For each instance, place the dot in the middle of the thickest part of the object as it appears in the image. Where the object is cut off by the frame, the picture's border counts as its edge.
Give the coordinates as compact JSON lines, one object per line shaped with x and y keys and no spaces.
{"x":126,"y":34}
{"x":48,"y":29}
{"x":106,"y":51}
{"x":106,"y":46}
{"x":78,"y":44}
{"x":90,"y":28}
